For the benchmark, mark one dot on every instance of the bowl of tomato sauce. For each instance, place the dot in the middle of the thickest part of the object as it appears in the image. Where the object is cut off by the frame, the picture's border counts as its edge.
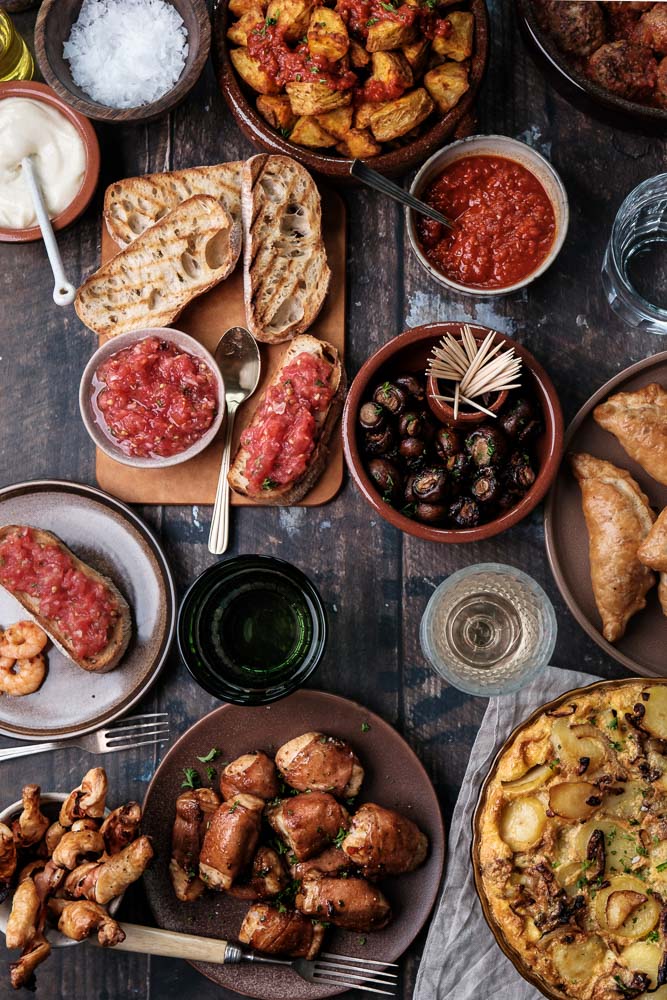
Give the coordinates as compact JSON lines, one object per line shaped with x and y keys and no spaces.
{"x":510,"y":213}
{"x":152,"y":398}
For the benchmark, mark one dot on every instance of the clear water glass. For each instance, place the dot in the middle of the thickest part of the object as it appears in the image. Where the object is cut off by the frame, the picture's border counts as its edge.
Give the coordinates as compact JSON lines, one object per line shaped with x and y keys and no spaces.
{"x":634,"y":272}
{"x":488,"y":629}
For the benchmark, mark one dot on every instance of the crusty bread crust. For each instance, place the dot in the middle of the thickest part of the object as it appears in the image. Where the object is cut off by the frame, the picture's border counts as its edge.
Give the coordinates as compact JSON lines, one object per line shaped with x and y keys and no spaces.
{"x":285,"y":272}
{"x":149,"y":283}
{"x":115,"y":648}
{"x":291,"y":493}
{"x":135,"y":204}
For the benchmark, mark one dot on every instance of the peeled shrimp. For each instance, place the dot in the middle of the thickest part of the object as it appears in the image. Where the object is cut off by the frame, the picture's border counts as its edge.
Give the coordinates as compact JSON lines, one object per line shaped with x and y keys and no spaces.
{"x":22,"y":641}
{"x":21,"y":676}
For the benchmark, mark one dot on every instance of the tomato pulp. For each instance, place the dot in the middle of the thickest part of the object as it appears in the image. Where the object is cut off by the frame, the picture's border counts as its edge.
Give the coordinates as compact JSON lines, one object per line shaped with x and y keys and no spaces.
{"x":153,"y":399}
{"x":505,"y":222}
{"x":84,"y":608}
{"x":283,"y":435}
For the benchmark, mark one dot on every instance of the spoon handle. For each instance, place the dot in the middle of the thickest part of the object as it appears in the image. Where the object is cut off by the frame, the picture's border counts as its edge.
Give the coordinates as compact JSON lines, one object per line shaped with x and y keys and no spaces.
{"x":63,"y":290}
{"x":218,"y":539}
{"x":372,"y":179}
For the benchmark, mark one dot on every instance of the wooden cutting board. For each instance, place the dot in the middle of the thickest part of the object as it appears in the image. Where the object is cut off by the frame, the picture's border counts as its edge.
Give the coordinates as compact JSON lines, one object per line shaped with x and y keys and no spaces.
{"x":206,"y":319}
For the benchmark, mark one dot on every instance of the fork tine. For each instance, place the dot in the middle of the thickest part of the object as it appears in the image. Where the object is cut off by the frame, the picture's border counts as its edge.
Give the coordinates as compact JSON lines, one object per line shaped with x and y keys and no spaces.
{"x":352,"y":986}
{"x":134,"y":720}
{"x":129,"y":737}
{"x":135,"y":728}
{"x":336,"y":967}
{"x":131,"y":746}
{"x":350,"y":958}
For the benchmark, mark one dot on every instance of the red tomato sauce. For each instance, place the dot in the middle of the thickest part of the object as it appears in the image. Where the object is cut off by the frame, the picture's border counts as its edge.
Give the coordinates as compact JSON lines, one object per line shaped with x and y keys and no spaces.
{"x":284,"y":433}
{"x":285,"y":64}
{"x":505,"y":222}
{"x":153,"y":399}
{"x":359,"y":15}
{"x":85,"y":609}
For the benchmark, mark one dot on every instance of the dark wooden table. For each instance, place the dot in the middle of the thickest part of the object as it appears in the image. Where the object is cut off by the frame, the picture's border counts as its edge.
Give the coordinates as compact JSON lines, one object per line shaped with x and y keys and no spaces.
{"x":375,"y":581}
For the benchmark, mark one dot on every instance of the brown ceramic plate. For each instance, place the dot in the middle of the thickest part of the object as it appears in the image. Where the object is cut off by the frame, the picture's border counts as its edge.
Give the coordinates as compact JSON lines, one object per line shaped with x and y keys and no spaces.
{"x":642,"y":648}
{"x":409,"y":352}
{"x":241,"y":100}
{"x":39,"y":92}
{"x":497,"y":932}
{"x":107,"y":535}
{"x":394,"y":778}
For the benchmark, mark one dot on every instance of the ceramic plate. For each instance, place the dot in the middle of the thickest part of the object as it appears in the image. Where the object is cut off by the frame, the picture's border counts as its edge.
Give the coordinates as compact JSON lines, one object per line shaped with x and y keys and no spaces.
{"x":642,"y":648}
{"x":394,"y":778}
{"x":108,"y":536}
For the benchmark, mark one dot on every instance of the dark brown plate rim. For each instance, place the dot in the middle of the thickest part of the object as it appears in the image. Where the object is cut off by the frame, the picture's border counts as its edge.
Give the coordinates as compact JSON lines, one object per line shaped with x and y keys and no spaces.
{"x":339,"y":705}
{"x":92,"y":493}
{"x":550,"y":515}
{"x":514,"y":957}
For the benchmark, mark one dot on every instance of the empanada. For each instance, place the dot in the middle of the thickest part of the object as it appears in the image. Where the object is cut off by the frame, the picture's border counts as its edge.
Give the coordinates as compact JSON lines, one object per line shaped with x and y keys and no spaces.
{"x":653,"y":553}
{"x":639,"y":421}
{"x":618,"y":518}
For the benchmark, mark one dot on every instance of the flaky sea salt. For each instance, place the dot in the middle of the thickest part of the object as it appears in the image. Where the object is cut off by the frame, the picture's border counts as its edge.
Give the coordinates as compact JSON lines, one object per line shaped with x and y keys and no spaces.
{"x":126,"y":53}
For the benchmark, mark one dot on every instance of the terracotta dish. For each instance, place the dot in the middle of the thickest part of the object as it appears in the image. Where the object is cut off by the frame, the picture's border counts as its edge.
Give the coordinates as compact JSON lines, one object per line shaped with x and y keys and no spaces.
{"x":39,"y":92}
{"x":642,"y":648}
{"x":601,"y":869}
{"x":394,"y":777}
{"x":52,"y":29}
{"x":242,"y":104}
{"x":409,"y":352}
{"x":579,"y":88}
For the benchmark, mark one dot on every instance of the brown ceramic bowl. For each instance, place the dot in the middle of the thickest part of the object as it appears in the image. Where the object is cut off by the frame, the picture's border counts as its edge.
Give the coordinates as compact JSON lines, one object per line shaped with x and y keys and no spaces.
{"x":516,"y":960}
{"x":38,"y":92}
{"x":241,"y":100}
{"x":577,"y":87}
{"x":409,"y":352}
{"x":52,"y":29}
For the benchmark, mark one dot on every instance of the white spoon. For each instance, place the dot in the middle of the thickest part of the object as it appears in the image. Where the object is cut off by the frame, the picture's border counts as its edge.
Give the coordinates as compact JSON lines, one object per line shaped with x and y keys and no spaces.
{"x":63,"y":290}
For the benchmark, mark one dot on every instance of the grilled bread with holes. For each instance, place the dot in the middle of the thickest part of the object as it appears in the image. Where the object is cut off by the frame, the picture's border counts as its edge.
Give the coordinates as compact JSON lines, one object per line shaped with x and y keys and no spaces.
{"x":135,"y":204}
{"x":121,"y":630}
{"x":149,"y":283}
{"x":285,"y":270}
{"x":286,"y":494}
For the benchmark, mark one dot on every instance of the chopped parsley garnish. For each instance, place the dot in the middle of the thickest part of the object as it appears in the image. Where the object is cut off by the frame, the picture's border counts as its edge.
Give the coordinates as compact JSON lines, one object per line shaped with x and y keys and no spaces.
{"x":340,"y":836}
{"x":613,"y":724}
{"x":662,"y":867}
{"x":653,"y":936}
{"x":192,"y":779}
{"x":269,"y":484}
{"x":211,"y":755}
{"x":211,"y":773}
{"x":365,"y":727}
{"x":371,"y":21}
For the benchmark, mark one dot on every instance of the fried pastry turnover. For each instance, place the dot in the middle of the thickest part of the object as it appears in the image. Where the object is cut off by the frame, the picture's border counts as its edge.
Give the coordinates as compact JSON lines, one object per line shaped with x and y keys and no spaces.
{"x":618,"y":518}
{"x":653,"y":553}
{"x":639,"y":421}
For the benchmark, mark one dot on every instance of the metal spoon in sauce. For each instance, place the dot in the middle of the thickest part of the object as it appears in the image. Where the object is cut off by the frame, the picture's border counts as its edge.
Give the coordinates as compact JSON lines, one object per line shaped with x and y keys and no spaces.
{"x":237,"y":354}
{"x":63,"y":290}
{"x":372,"y":179}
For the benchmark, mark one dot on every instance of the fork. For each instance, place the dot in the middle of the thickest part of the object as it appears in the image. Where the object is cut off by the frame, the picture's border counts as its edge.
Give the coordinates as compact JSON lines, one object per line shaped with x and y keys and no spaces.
{"x":326,"y":970}
{"x":125,"y":735}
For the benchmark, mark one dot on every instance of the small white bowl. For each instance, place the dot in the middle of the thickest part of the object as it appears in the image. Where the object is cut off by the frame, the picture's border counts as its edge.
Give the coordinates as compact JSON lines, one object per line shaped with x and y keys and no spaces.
{"x":511,"y":149}
{"x":50,"y":803}
{"x":185,"y":343}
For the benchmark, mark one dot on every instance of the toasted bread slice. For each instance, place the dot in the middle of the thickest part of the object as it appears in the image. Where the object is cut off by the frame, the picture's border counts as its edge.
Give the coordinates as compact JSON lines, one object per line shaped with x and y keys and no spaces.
{"x":148,"y":284}
{"x":111,"y":655}
{"x":290,"y":493}
{"x":135,"y":204}
{"x":285,"y":270}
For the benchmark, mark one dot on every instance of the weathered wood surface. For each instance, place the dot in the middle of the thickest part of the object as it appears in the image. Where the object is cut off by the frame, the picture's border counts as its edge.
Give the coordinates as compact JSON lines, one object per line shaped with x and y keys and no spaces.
{"x":374,"y":581}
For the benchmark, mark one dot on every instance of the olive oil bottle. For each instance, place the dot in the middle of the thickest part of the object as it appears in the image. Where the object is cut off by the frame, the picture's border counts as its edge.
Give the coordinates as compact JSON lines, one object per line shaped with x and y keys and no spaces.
{"x":16,"y":62}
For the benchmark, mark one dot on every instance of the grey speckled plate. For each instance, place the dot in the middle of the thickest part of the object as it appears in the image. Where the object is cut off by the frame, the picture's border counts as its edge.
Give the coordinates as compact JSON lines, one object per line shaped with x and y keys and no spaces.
{"x":108,"y":536}
{"x":642,"y":648}
{"x":394,"y":778}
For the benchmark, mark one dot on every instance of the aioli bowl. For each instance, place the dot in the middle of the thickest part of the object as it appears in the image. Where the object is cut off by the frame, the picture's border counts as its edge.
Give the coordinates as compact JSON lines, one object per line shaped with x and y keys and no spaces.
{"x":409,"y":352}
{"x":102,"y":441}
{"x":52,"y":29}
{"x":511,"y":149}
{"x":78,"y":205}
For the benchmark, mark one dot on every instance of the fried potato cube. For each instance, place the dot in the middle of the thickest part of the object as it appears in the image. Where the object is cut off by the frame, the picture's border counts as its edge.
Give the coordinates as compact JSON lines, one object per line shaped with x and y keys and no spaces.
{"x":327,"y":34}
{"x":417,"y":53}
{"x":363,"y":112}
{"x":391,"y":68}
{"x":292,"y":16}
{"x":458,"y":45}
{"x":239,"y":31}
{"x":240,"y":7}
{"x":386,"y":35}
{"x":447,"y":84}
{"x":251,"y":71}
{"x":359,"y":57}
{"x":337,"y":123}
{"x":358,"y":144}
{"x":277,"y":111}
{"x":309,"y":132}
{"x":395,"y":118}
{"x":316,"y":98}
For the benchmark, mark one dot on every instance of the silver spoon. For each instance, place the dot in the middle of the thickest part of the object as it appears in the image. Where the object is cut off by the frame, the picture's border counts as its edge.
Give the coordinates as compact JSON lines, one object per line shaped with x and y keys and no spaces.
{"x":372,"y":179}
{"x":63,"y":290}
{"x":237,"y":354}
